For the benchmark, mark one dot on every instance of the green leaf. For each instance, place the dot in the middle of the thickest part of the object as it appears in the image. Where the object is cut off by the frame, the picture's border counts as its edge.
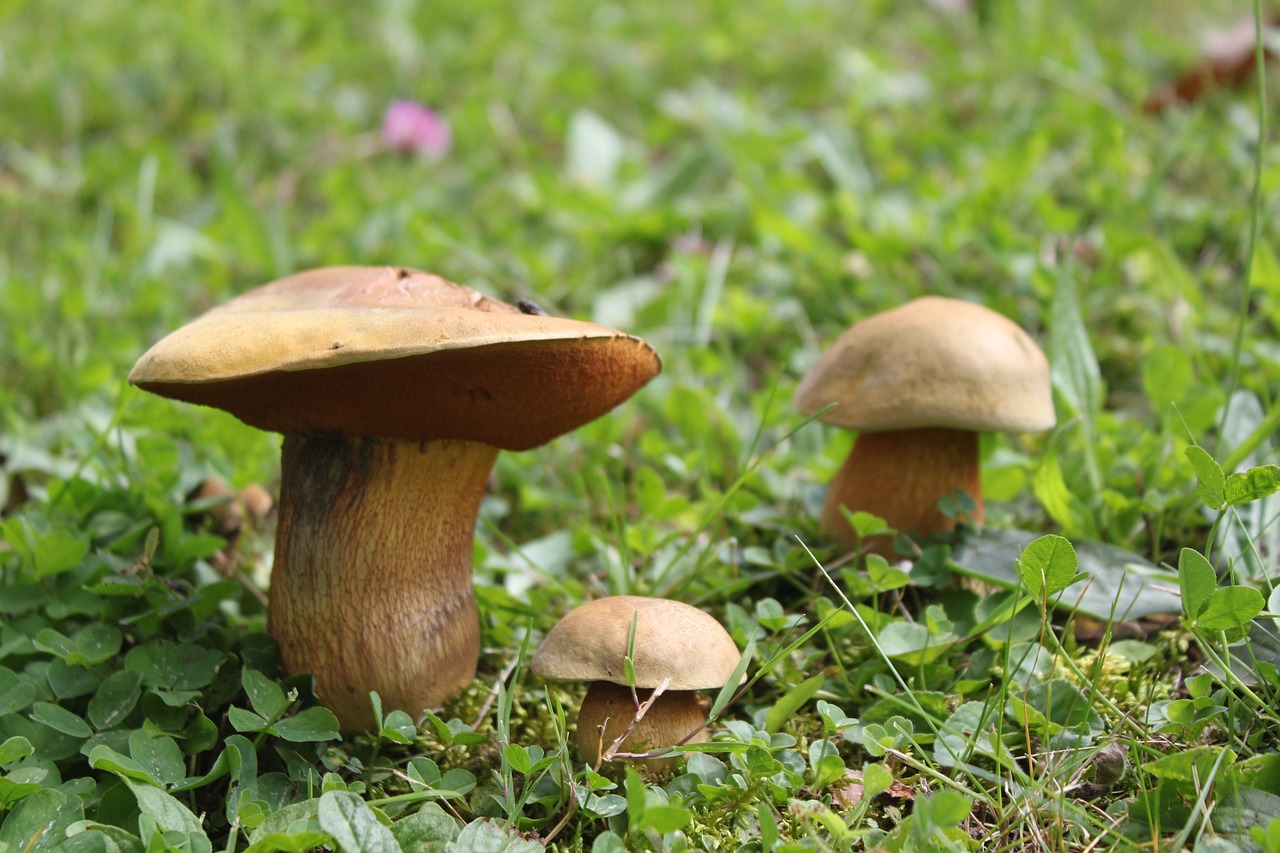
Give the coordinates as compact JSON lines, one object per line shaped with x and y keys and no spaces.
{"x":876,"y":779}
{"x":353,"y":825}
{"x":1076,"y":374}
{"x":791,"y":702}
{"x":115,"y":698}
{"x":39,"y":822}
{"x":166,"y":811}
{"x":1196,"y":581}
{"x":913,"y":643}
{"x":103,"y":757}
{"x":1119,"y":580}
{"x":159,"y":755}
{"x":16,"y":691}
{"x":86,"y":836}
{"x":944,"y":808}
{"x":398,"y":727}
{"x":664,"y":819}
{"x":1059,"y":501}
{"x":609,"y":842}
{"x":1230,"y":607}
{"x":730,"y":689}
{"x":13,"y":749}
{"x":1252,"y":485}
{"x":266,"y":697}
{"x":1054,"y":706}
{"x":245,"y":721}
{"x":1048,"y":566}
{"x":58,"y":551}
{"x":55,"y":643}
{"x":1213,"y":483}
{"x":885,"y":577}
{"x":300,"y":841}
{"x":314,"y":724}
{"x":636,"y":798}
{"x":825,"y":762}
{"x":427,"y":829}
{"x":969,"y":731}
{"x":95,"y":644}
{"x":68,"y":681}
{"x":60,"y":719}
{"x":174,"y":667}
{"x":288,"y":821}
{"x":483,"y":837}
{"x":518,"y":757}
{"x":1191,"y":764}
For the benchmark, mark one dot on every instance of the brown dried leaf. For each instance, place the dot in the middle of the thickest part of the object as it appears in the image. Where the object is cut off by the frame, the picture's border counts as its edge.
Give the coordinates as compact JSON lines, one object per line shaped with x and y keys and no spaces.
{"x":1228,"y":60}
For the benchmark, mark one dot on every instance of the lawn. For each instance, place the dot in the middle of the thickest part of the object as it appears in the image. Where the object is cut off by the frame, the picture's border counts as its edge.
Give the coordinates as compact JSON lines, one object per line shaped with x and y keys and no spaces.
{"x":735,"y":183}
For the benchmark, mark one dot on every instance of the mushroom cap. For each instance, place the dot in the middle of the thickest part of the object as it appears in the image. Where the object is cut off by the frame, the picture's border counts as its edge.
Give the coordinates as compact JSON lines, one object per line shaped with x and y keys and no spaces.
{"x":933,"y":362}
{"x":396,"y":353}
{"x":673,"y":640}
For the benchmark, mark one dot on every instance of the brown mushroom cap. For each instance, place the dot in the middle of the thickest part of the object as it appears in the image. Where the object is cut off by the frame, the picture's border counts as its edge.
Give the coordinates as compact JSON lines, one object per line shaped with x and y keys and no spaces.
{"x":396,"y":353}
{"x":673,"y":640}
{"x":933,"y":362}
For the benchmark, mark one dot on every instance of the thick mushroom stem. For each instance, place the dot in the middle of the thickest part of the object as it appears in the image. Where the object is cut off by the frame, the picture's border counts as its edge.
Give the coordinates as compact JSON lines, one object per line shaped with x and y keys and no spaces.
{"x":900,"y":476}
{"x":371,"y":588}
{"x":608,"y":709}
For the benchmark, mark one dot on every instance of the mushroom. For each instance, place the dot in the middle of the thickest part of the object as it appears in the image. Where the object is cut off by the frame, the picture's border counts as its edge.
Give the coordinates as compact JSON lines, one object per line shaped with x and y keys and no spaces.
{"x":673,"y":641}
{"x":395,"y":389}
{"x":919,"y":383}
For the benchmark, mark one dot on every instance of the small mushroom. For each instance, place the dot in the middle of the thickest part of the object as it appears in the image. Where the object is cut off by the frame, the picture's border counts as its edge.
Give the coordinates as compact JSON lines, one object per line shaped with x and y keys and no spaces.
{"x":672,"y":641}
{"x":920,"y":383}
{"x":395,"y":390}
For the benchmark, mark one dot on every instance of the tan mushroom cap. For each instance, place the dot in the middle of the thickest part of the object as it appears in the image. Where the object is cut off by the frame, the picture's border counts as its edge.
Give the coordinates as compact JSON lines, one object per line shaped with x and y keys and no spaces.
{"x":933,"y":362}
{"x":396,"y":353}
{"x":673,"y":640}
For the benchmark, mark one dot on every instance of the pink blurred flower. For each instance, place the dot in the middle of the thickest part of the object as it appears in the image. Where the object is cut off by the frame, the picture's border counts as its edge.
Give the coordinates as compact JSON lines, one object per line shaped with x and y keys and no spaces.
{"x":415,"y":129}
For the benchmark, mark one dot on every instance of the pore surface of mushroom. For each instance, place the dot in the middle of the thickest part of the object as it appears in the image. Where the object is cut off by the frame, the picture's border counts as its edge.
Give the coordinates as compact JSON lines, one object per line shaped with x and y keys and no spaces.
{"x":920,"y":383}
{"x":395,"y":390}
{"x":673,"y":641}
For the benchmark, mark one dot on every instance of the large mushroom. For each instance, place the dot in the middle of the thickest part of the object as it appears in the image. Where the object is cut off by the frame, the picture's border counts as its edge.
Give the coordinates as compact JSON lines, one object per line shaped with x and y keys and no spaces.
{"x":919,"y":383}
{"x":674,"y":642}
{"x":395,"y":390}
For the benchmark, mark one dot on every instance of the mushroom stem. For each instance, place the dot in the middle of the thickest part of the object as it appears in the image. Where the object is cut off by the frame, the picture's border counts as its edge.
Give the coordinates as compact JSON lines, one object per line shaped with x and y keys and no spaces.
{"x":608,"y":709}
{"x":371,"y":588}
{"x":900,"y":476}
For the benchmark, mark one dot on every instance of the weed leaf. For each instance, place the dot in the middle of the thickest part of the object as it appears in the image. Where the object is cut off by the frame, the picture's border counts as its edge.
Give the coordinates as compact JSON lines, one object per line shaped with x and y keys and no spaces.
{"x":38,"y":823}
{"x":1048,"y":566}
{"x":1230,"y":607}
{"x":1213,"y":483}
{"x":1196,"y":581}
{"x":1252,"y":485}
{"x":353,"y":825}
{"x":167,"y":812}
{"x":793,"y":700}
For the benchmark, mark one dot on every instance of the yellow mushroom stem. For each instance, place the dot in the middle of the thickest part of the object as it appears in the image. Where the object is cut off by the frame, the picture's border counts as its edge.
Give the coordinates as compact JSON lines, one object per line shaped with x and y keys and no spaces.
{"x":608,"y":709}
{"x":371,"y":588}
{"x":900,"y":476}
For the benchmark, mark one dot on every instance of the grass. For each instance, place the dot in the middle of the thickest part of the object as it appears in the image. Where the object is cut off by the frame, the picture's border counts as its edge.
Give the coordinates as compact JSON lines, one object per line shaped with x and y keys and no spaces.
{"x":736,"y":183}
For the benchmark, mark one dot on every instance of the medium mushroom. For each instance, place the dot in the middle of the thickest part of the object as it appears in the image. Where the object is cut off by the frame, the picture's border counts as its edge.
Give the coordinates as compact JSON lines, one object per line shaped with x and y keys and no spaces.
{"x":395,"y":390}
{"x":920,"y":383}
{"x":672,"y":641}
